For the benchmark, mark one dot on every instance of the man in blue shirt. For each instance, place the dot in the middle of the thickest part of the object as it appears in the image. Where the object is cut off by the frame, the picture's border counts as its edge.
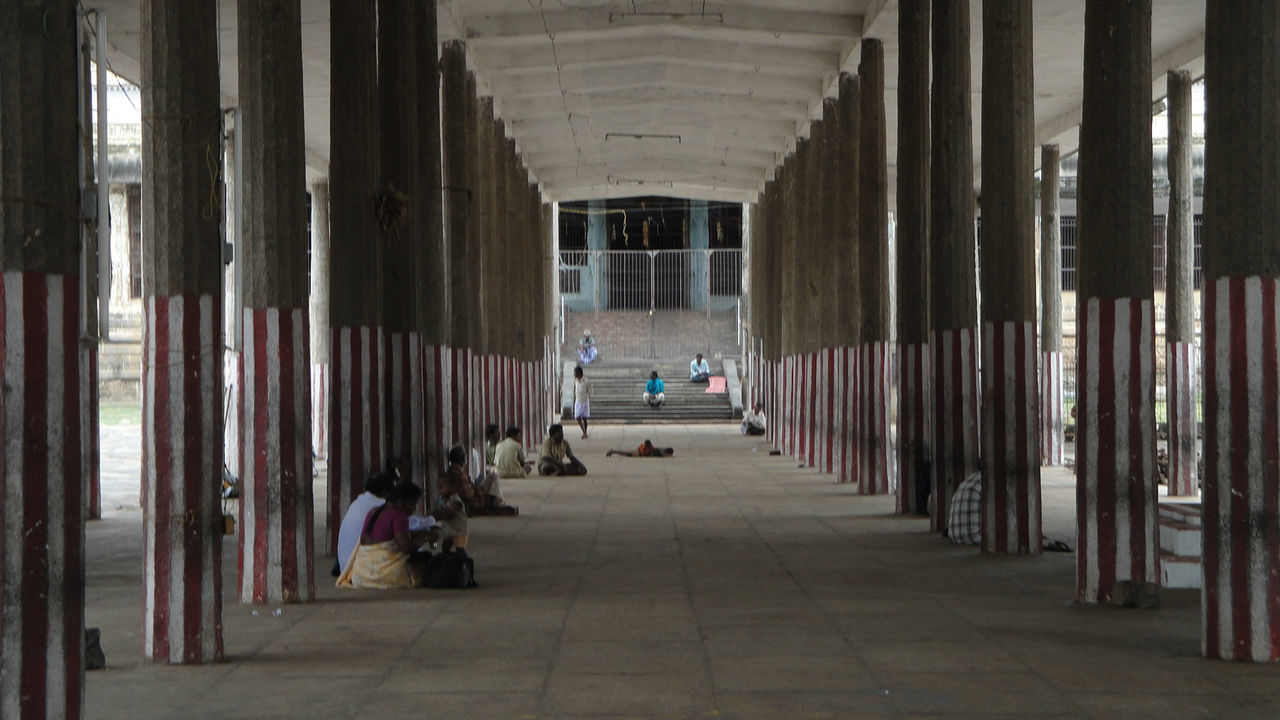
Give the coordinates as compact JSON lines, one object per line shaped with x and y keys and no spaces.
{"x":699,"y":370}
{"x":653,"y":390}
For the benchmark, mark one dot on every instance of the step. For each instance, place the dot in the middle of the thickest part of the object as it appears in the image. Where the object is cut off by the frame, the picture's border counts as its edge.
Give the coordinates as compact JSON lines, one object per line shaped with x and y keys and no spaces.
{"x":1179,"y":572}
{"x":1180,"y":512}
{"x":1181,"y":539}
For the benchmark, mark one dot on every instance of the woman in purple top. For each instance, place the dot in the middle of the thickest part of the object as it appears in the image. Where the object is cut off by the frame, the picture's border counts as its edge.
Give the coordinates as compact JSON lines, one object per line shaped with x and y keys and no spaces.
{"x":388,"y":555}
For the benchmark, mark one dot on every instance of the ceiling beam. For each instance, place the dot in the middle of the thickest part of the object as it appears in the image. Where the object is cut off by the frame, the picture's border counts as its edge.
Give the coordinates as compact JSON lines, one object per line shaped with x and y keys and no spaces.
{"x":691,"y":191}
{"x":660,"y":74}
{"x":726,"y":22}
{"x":607,"y":100}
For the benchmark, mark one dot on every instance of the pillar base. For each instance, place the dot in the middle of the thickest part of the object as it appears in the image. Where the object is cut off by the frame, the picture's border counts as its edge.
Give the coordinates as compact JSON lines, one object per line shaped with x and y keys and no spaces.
{"x":357,"y":396}
{"x":915,"y":403}
{"x":1010,"y":453}
{"x":956,"y":417}
{"x":1052,"y":418}
{"x":1181,"y":361}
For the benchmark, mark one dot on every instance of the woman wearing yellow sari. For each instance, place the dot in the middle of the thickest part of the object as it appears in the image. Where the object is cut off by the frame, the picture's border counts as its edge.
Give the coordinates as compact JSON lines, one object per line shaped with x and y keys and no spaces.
{"x":388,"y":556}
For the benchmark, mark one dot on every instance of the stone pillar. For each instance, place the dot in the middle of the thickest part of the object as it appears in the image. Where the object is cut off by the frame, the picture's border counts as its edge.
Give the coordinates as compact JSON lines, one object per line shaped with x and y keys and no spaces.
{"x":42,"y":508}
{"x":276,"y":553}
{"x":952,"y":274}
{"x":1181,"y":358}
{"x":788,"y":297}
{"x":912,"y":243}
{"x":826,"y":329}
{"x":182,"y":328}
{"x":459,"y":198}
{"x":319,"y":318}
{"x":356,"y":440}
{"x":876,"y":467}
{"x":400,"y":217}
{"x":1010,"y":400}
{"x":435,"y":296}
{"x":1051,"y":413}
{"x":846,"y":278}
{"x":699,"y":262}
{"x":597,"y":240}
{"x":1118,"y":554}
{"x":1241,"y":262}
{"x":804,"y":215}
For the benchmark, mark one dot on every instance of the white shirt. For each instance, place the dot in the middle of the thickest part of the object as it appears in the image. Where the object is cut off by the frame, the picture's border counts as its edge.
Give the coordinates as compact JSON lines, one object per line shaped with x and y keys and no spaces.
{"x":353,"y":523}
{"x":753,"y":418}
{"x":695,"y":368}
{"x":581,"y":390}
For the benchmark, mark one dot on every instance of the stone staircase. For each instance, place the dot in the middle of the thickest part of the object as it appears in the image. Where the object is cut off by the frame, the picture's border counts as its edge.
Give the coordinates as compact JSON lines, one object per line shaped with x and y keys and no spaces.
{"x":1179,"y":544}
{"x":617,"y":387}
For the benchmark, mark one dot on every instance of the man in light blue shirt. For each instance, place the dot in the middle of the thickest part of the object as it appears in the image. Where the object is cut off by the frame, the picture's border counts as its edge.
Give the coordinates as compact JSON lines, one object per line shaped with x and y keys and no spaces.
{"x":699,"y":370}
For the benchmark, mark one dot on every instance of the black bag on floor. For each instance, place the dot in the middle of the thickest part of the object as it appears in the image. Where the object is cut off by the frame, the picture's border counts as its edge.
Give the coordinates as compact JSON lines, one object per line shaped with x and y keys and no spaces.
{"x":451,"y":569}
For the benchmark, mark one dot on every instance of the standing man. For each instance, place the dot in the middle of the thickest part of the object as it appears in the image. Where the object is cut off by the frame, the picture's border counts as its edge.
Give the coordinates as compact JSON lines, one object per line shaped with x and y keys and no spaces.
{"x":581,"y":399}
{"x":699,"y":370}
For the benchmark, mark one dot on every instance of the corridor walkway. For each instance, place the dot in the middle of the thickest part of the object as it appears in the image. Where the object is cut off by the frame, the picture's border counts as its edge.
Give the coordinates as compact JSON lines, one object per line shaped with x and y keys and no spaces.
{"x":721,"y":583}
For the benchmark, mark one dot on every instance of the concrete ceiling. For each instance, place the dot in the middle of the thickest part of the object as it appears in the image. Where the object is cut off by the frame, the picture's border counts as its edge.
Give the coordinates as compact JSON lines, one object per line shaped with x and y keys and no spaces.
{"x":613,"y":98}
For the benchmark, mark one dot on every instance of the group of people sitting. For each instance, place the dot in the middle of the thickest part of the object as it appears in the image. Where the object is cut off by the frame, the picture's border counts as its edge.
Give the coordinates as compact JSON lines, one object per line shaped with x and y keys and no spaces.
{"x":655,"y":390}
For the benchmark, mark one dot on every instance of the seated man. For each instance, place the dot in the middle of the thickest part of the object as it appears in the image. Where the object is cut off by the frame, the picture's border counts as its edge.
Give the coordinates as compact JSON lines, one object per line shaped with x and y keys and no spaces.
{"x":483,"y":473}
{"x":508,"y":456}
{"x":587,"y":348}
{"x":557,"y":458}
{"x":699,"y":370}
{"x":753,"y":422}
{"x":964,"y":517}
{"x":646,"y":449}
{"x":653,"y":390}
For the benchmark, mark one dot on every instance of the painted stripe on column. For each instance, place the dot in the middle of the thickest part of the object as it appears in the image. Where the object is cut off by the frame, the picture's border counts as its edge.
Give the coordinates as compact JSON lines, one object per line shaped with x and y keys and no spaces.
{"x":42,"y":630}
{"x":913,"y":421}
{"x":956,"y":418}
{"x":233,"y":427}
{"x":90,"y":431}
{"x":276,"y":501}
{"x":1242,"y":471}
{"x":1011,"y":463}
{"x":1116,"y":495}
{"x":320,"y":409}
{"x":1052,"y":442}
{"x":1181,"y":391}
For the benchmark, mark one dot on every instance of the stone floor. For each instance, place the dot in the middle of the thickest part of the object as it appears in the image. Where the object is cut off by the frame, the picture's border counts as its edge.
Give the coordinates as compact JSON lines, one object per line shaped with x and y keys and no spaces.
{"x":721,"y":583}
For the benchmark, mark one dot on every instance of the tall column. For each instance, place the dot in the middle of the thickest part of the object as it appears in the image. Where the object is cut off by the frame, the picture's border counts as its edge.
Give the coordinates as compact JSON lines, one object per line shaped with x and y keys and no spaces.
{"x":42,"y":505}
{"x":1051,"y":415}
{"x":699,"y":263}
{"x":400,"y":214}
{"x":789,"y":297}
{"x":912,"y":243}
{"x":845,"y":285}
{"x":182,"y":330}
{"x":435,"y":297}
{"x":877,"y":470}
{"x":1010,"y":400}
{"x":1181,"y":359}
{"x":808,"y":227}
{"x":951,"y":257}
{"x":459,"y":197}
{"x":826,"y":330}
{"x":355,"y":311}
{"x":276,"y":553}
{"x":319,"y":318}
{"x":1118,"y":557}
{"x":1241,"y":595}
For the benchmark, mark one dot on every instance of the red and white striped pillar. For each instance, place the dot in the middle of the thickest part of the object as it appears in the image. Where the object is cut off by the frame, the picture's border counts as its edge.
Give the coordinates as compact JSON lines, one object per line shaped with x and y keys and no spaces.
{"x":182,"y":472}
{"x":915,"y":402}
{"x":850,"y":427}
{"x":1241,"y":591}
{"x":232,"y":419}
{"x":804,"y":408}
{"x":42,"y":523}
{"x":956,"y":417}
{"x":1117,"y":533}
{"x":406,"y":431}
{"x":357,"y":396}
{"x":875,"y":470}
{"x":276,"y":546}
{"x":320,"y":409}
{"x":1181,"y":364}
{"x":437,"y":406}
{"x":1052,"y":442}
{"x":1011,"y":476}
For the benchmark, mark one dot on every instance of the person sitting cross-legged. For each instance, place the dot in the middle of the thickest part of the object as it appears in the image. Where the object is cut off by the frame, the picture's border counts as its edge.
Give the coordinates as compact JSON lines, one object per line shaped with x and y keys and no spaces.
{"x":456,"y":483}
{"x":753,"y":421}
{"x":699,"y":370}
{"x":557,"y":458}
{"x":508,"y":456}
{"x":653,"y":390}
{"x":388,"y":555}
